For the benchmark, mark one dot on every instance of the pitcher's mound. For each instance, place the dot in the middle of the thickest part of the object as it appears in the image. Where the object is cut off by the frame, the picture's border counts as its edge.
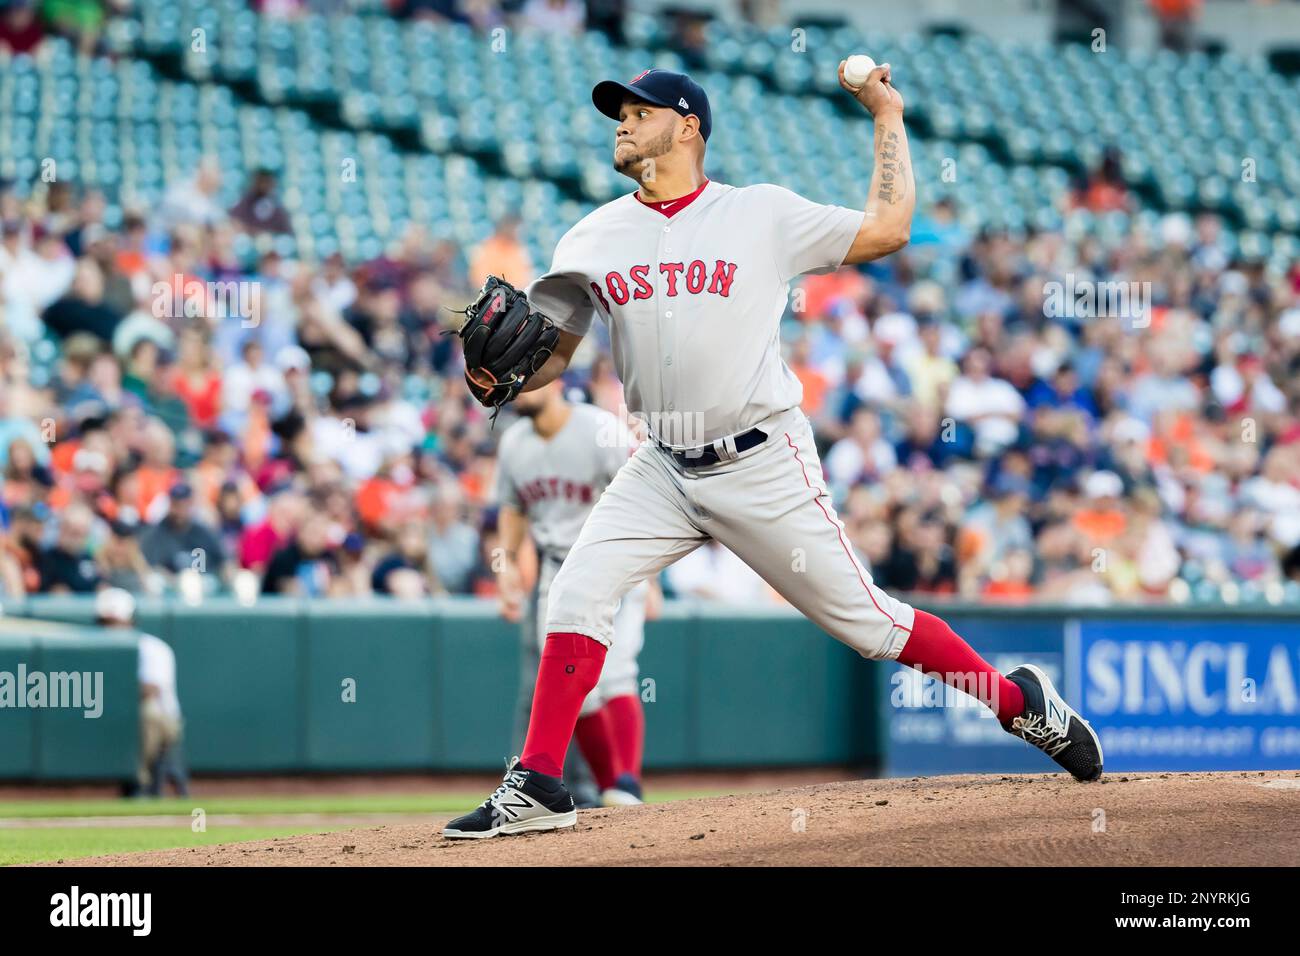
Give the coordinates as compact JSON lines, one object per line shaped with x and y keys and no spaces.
{"x":1192,"y":819}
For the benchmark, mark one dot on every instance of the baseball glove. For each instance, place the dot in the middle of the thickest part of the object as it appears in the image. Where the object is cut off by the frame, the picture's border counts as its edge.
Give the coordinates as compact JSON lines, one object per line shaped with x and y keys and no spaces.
{"x":505,"y":342}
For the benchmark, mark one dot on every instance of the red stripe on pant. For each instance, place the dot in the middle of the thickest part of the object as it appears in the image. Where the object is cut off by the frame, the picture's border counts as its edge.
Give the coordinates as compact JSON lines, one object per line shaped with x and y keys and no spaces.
{"x":569,"y":669}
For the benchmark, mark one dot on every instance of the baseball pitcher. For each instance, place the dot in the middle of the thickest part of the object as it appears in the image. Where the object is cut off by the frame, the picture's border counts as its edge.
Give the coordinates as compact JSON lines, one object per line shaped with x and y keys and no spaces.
{"x":552,"y":467}
{"x":692,"y":278}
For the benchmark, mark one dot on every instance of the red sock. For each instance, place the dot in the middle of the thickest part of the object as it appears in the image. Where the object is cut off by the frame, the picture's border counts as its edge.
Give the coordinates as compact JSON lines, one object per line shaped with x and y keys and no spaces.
{"x":569,"y":669}
{"x":627,"y":721}
{"x":938,"y":651}
{"x":596,"y":741}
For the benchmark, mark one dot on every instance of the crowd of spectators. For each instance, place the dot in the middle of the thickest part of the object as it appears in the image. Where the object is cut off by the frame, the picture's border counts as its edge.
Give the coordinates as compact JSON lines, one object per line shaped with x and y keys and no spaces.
{"x":985,"y":442}
{"x":24,"y":24}
{"x":173,"y":419}
{"x":175,"y":416}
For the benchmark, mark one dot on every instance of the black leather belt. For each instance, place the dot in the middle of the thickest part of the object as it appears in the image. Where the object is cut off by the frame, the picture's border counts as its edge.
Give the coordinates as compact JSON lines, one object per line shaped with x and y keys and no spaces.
{"x":708,"y":454}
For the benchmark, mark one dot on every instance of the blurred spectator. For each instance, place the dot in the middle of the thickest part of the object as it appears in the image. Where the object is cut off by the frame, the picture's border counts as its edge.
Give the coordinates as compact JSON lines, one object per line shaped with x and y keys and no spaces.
{"x":1177,"y":20}
{"x":68,"y":565}
{"x":261,"y":541}
{"x":502,"y":254}
{"x":1104,"y":190}
{"x":308,"y":566}
{"x":607,"y":17}
{"x":26,"y":480}
{"x":689,"y":35}
{"x":246,"y":381}
{"x":22,"y":547}
{"x":180,"y":542}
{"x":196,"y":379}
{"x":78,"y":20}
{"x":991,"y":406}
{"x":407,"y":571}
{"x":20,"y":28}
{"x":554,"y":16}
{"x":863,"y":456}
{"x":922,"y":559}
{"x":815,"y":381}
{"x":259,"y":209}
{"x":453,"y":542}
{"x":120,"y":561}
{"x":196,"y":202}
{"x":996,"y":528}
{"x":36,"y":269}
{"x":83,"y":308}
{"x":432,"y":10}
{"x":713,"y":573}
{"x":929,"y":370}
{"x":160,"y":708}
{"x":1101,"y":521}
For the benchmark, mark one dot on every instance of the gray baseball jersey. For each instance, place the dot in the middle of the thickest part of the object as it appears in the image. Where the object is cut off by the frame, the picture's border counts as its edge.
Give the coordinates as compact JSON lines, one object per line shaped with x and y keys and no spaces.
{"x":694,"y":299}
{"x":555,"y":482}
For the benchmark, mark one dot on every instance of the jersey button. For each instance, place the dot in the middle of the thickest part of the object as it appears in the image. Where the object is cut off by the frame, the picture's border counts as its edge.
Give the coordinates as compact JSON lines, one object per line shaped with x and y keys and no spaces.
{"x":668,"y":360}
{"x":666,"y":229}
{"x":668,"y":314}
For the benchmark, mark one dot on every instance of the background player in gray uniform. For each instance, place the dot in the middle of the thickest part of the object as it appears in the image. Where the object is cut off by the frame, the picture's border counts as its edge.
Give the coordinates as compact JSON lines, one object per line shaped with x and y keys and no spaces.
{"x":692,"y":278}
{"x":552,"y":466}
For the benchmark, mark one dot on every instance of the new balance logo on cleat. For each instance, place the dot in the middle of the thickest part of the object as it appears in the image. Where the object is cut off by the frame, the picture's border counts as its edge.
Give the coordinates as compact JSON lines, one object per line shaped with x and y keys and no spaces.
{"x":526,"y":801}
{"x":1056,"y":716}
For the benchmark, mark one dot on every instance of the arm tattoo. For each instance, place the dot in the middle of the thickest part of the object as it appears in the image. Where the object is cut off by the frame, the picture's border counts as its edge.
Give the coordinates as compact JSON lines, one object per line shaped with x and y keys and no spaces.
{"x":893,"y":180}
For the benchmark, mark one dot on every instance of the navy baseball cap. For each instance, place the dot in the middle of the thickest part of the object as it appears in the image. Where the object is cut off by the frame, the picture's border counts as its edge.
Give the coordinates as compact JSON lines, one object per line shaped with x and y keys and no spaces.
{"x":676,"y":91}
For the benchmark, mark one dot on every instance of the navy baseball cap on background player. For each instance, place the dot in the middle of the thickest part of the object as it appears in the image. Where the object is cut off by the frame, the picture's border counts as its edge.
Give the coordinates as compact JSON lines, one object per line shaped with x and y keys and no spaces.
{"x":676,"y":91}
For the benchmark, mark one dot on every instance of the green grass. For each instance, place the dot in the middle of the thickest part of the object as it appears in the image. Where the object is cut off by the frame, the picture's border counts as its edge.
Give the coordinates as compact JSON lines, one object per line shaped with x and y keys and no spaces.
{"x":67,"y":843}
{"x":59,"y":842}
{"x":290,"y":803}
{"x":431,"y":803}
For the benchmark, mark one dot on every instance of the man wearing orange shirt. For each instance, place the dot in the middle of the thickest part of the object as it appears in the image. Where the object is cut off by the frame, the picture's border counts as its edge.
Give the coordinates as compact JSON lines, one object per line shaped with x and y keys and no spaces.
{"x":1101,"y":520}
{"x":502,"y":254}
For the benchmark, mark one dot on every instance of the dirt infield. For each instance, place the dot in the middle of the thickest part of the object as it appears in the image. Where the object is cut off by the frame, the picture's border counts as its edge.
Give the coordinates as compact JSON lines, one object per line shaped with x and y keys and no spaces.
{"x":1250,"y":819}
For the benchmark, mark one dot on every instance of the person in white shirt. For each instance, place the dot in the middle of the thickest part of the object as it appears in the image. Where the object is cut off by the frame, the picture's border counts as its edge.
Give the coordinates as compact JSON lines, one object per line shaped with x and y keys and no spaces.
{"x":253,"y":374}
{"x":991,"y":406}
{"x":713,"y":573}
{"x":194,"y":201}
{"x":160,"y":707}
{"x":862,"y":455}
{"x":31,"y":278}
{"x":554,"y":16}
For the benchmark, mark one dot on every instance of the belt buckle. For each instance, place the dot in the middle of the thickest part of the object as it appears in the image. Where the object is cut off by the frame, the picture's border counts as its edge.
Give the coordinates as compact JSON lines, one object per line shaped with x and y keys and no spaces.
{"x":691,"y":457}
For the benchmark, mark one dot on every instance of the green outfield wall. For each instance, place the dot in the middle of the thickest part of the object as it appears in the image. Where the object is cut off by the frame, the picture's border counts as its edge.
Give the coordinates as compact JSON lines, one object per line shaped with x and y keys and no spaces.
{"x":289,"y":686}
{"x":69,"y":702}
{"x":375,"y":685}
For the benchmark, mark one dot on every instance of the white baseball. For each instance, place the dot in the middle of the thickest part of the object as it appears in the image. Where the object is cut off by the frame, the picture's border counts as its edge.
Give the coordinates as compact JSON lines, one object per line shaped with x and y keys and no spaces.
{"x":857,"y":68}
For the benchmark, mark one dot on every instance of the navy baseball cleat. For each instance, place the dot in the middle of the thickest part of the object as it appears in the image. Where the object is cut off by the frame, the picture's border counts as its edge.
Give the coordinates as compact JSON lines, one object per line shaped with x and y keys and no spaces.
{"x":1053,"y":726}
{"x":626,"y":792}
{"x":526,"y":801}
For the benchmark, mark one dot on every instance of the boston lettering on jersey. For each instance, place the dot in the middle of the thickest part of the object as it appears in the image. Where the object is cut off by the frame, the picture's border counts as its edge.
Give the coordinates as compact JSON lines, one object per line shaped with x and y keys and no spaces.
{"x":540,"y":488}
{"x":694,"y":277}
